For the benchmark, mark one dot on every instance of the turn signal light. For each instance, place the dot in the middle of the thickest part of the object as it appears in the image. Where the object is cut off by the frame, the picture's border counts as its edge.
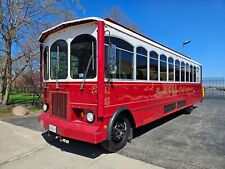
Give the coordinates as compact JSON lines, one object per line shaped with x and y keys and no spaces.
{"x":82,"y":114}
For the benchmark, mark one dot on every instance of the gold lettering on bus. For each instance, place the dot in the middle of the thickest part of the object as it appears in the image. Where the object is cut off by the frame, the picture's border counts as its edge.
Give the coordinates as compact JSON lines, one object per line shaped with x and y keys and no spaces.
{"x":93,"y":90}
{"x":107,"y":101}
{"x":173,"y":92}
{"x":107,"y":89}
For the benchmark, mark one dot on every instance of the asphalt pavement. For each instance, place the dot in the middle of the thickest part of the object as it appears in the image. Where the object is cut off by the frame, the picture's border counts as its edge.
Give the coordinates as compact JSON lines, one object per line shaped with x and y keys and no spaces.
{"x":195,"y":141}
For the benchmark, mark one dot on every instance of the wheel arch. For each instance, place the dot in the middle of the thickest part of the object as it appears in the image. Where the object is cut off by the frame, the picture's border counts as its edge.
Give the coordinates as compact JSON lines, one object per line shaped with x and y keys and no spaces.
{"x":121,"y":111}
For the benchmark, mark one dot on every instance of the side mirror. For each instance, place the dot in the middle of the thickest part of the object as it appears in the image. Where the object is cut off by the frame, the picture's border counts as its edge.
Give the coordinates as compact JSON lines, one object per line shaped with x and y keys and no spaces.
{"x":112,"y":59}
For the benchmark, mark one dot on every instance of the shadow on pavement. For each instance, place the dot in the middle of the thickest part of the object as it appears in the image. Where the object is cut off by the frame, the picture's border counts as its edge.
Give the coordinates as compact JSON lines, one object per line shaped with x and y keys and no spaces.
{"x":144,"y":129}
{"x":76,"y":147}
{"x":79,"y":147}
{"x":92,"y":150}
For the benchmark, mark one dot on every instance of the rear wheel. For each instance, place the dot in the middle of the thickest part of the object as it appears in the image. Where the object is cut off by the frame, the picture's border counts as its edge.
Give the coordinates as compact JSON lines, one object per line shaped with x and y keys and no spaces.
{"x":188,"y":110}
{"x":120,"y":132}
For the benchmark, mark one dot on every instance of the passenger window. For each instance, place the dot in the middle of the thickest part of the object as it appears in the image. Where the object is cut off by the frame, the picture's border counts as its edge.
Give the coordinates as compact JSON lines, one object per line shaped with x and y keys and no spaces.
{"x":191,"y":73}
{"x":163,"y":68}
{"x":187,"y":72}
{"x":124,"y":58}
{"x":46,"y":63}
{"x":171,"y":69}
{"x":153,"y":65}
{"x":182,"y":71}
{"x":200,"y":74}
{"x":177,"y":70}
{"x":59,"y":60}
{"x":141,"y":64}
{"x":194,"y":73}
{"x":197,"y":74}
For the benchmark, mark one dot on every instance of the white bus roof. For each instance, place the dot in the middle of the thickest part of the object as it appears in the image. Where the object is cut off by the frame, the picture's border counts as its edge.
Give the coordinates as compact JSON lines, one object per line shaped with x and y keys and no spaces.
{"x":115,"y":25}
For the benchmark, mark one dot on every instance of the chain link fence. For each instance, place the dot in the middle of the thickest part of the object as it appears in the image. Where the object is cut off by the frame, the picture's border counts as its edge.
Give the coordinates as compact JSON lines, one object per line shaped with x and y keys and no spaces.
{"x":214,"y":87}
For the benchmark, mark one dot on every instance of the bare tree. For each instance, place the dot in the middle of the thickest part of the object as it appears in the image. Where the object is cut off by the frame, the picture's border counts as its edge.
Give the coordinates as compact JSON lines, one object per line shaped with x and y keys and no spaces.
{"x":21,"y":22}
{"x":116,"y":14}
{"x":1,"y":77}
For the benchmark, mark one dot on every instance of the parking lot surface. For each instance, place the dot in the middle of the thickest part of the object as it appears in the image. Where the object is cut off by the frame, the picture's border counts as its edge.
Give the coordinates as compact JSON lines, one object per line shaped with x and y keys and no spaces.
{"x":195,"y":141}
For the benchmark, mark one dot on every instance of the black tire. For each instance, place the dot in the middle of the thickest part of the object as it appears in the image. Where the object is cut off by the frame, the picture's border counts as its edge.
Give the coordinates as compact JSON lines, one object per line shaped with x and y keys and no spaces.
{"x":188,"y":110}
{"x":118,"y":140}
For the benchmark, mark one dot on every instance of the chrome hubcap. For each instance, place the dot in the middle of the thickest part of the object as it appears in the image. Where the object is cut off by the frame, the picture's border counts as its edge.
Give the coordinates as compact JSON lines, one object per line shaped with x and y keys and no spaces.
{"x":118,"y":131}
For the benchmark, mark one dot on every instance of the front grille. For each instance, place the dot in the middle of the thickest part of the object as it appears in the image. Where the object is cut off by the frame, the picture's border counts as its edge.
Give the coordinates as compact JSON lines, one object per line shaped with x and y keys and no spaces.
{"x":59,"y":105}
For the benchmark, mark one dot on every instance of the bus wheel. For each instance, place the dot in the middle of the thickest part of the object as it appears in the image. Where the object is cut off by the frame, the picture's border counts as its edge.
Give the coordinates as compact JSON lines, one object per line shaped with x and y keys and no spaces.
{"x":120,"y":133}
{"x":188,"y":110}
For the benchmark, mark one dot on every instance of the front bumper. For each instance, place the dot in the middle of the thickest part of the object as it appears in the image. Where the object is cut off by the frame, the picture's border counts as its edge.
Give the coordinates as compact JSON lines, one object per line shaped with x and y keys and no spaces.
{"x":74,"y":130}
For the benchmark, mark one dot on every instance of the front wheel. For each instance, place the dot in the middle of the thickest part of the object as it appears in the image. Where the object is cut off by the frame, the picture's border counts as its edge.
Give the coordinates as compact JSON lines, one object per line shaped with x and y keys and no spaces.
{"x":120,"y":132}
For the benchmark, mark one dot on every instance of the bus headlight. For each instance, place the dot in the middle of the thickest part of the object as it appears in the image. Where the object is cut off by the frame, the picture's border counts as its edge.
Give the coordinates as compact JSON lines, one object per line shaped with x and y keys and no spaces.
{"x":45,"y":107}
{"x":90,"y":117}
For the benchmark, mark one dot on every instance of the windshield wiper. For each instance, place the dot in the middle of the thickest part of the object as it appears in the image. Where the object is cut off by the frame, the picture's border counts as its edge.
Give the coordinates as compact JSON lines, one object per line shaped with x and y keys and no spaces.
{"x":89,"y":62}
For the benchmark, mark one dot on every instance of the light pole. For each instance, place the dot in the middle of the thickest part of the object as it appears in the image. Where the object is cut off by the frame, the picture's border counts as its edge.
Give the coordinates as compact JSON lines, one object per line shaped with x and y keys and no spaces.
{"x":185,"y":43}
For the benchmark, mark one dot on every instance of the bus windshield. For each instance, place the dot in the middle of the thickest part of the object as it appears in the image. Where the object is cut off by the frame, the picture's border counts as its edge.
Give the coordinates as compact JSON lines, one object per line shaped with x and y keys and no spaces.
{"x":82,"y":58}
{"x":83,"y":55}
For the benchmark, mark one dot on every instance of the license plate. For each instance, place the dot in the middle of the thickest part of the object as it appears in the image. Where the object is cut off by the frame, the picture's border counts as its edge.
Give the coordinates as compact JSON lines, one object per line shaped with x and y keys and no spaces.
{"x":52,"y":128}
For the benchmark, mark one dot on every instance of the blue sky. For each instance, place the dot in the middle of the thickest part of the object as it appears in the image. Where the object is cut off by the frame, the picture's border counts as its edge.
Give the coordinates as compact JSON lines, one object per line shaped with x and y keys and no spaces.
{"x":171,"y":22}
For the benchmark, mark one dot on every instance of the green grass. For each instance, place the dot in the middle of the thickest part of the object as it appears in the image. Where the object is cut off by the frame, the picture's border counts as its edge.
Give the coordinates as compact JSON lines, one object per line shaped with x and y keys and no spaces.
{"x":34,"y":109}
{"x":21,"y":98}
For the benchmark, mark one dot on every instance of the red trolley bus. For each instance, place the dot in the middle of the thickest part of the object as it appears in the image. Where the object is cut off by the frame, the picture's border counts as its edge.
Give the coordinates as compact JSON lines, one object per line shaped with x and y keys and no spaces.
{"x":101,"y":80}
